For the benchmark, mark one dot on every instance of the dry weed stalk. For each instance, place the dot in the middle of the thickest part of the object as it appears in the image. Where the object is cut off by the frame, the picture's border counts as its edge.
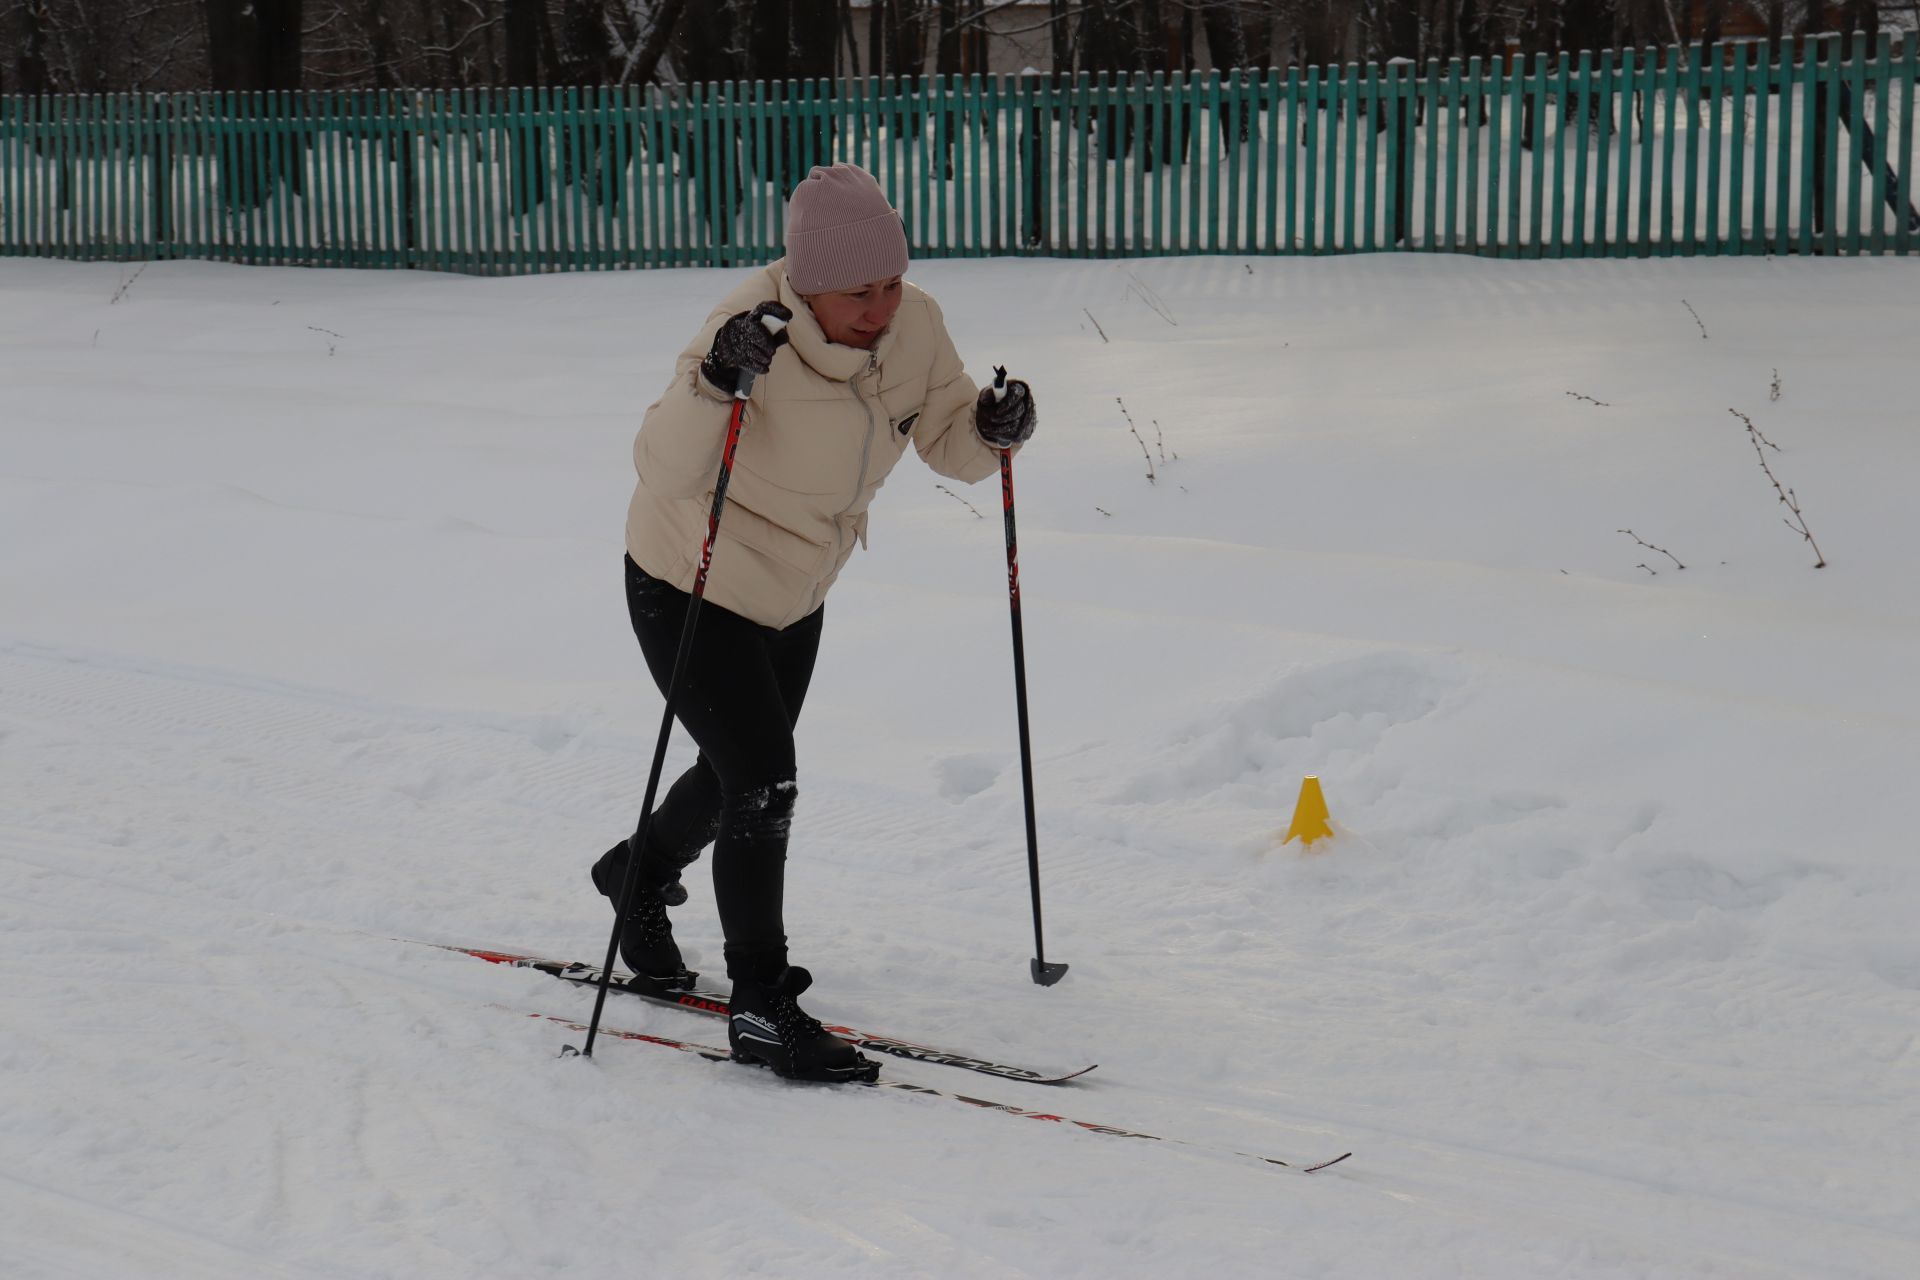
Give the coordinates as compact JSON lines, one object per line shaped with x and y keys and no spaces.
{"x":1146,"y":453}
{"x":962,"y":501}
{"x":127,"y":284}
{"x":1788,"y":498}
{"x":1649,"y":546}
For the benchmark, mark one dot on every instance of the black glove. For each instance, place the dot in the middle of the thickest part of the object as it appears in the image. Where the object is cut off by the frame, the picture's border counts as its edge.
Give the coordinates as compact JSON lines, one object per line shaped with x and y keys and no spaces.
{"x":743,"y":345}
{"x":1007,"y":421}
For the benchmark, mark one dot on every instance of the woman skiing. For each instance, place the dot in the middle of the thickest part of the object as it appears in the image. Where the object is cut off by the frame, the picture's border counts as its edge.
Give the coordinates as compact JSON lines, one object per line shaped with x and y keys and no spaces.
{"x":862,"y":367}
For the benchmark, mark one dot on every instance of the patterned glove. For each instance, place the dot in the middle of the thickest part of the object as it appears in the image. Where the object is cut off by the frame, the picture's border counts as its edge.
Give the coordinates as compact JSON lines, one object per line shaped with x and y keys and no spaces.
{"x":744,"y":345}
{"x":1007,"y":421}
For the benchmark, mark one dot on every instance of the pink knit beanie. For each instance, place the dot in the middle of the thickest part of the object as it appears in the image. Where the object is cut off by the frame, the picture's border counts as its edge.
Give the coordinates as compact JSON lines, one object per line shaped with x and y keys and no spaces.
{"x":841,"y":232}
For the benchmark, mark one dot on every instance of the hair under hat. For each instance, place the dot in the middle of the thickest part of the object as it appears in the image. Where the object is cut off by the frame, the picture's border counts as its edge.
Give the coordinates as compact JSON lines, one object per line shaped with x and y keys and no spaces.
{"x":841,"y":232}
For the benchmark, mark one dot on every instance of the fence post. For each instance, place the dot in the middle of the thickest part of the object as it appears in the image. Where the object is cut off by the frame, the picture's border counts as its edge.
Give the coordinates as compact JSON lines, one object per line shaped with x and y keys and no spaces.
{"x":1584,"y":120}
{"x":1429,"y":119}
{"x":1693,"y":86}
{"x":1907,"y":217}
{"x":160,"y":176}
{"x":408,"y":106}
{"x":9,"y":174}
{"x":1350,"y":137}
{"x":1400,"y":149}
{"x":1822,"y":110}
{"x":1760,"y":87}
{"x":1142,"y":151}
{"x":1033,"y":168}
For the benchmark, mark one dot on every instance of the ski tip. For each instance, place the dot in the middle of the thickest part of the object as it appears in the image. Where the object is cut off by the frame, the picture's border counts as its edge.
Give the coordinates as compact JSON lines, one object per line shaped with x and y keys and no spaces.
{"x":1327,"y":1164}
{"x":483,"y":953}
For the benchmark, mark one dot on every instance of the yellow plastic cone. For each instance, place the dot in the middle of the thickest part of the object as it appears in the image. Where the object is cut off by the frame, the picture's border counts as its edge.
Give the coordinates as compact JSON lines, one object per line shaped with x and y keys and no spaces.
{"x":1309,"y":814}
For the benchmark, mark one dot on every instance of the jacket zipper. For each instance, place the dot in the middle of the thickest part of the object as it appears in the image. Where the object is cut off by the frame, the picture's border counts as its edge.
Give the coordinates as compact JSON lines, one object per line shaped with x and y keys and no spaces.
{"x":860,"y":480}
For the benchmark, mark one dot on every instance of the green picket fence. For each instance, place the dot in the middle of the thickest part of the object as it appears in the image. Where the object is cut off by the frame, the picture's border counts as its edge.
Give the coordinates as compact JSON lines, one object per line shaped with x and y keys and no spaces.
{"x":1683,"y":150}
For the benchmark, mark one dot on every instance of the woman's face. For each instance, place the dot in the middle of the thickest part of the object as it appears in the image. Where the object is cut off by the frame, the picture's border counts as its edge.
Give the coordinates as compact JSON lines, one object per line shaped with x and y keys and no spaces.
{"x":857,"y":317}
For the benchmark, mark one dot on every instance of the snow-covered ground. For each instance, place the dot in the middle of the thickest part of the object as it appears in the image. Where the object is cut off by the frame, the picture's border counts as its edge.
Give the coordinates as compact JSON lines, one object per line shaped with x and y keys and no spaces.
{"x":311,"y":636}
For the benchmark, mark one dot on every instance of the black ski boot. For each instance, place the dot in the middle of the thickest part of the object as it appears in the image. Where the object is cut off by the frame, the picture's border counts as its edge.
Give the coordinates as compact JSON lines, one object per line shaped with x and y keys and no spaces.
{"x":768,"y":1027}
{"x":646,"y":935}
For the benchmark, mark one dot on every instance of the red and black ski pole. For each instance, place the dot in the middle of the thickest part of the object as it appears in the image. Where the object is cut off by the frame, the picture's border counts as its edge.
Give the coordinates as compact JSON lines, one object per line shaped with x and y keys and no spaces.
{"x":1044,"y":973}
{"x":637,"y":844}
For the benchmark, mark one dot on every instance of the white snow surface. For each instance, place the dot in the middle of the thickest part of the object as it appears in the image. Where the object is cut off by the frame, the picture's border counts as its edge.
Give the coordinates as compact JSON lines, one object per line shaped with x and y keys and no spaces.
{"x":312,"y":637}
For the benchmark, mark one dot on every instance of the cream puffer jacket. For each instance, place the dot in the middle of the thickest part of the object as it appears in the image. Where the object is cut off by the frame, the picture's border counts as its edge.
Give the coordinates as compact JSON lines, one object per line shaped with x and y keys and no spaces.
{"x":824,"y":427}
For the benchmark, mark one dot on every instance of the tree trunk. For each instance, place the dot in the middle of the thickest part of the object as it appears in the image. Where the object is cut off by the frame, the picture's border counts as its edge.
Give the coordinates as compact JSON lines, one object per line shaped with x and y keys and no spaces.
{"x":1396,"y":36}
{"x":1714,"y":22}
{"x":811,"y":38}
{"x":1227,"y":36}
{"x":254,"y":46}
{"x":232,"y":37}
{"x":947,"y":59}
{"x":812,"y":32}
{"x":909,"y":36}
{"x":846,"y":29}
{"x":29,"y":69}
{"x":521,"y":20}
{"x":523,"y":24}
{"x":645,"y":62}
{"x":769,"y":42}
{"x":1320,"y":32}
{"x":1260,"y":38}
{"x":583,"y":47}
{"x":1152,"y":41}
{"x":380,"y":43}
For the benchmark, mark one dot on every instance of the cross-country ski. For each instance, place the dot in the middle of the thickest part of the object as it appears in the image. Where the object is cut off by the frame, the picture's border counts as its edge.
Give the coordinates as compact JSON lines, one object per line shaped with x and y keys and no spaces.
{"x":703,"y":1000}
{"x":713,"y":1054}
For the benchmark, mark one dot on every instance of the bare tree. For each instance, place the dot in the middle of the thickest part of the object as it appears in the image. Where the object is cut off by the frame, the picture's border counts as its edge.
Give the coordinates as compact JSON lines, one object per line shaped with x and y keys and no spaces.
{"x":98,"y":46}
{"x":646,"y":37}
{"x":896,"y":36}
{"x":1320,"y":29}
{"x":1226,"y":27}
{"x":255,"y":46}
{"x":91,"y":46}
{"x":23,"y":29}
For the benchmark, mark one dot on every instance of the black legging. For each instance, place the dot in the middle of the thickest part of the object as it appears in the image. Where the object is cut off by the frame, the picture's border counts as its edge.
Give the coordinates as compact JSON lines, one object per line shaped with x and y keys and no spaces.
{"x":739,"y":698}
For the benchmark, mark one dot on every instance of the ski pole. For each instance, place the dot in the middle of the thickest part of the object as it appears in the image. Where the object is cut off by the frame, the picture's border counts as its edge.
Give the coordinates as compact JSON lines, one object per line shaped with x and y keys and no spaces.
{"x":637,"y":843}
{"x":1044,"y":974}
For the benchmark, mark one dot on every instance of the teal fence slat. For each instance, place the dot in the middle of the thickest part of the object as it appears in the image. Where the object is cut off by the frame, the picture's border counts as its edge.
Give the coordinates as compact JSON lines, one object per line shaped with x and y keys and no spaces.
{"x":1877,"y":153}
{"x":1906,"y":200}
{"x":1812,"y":142}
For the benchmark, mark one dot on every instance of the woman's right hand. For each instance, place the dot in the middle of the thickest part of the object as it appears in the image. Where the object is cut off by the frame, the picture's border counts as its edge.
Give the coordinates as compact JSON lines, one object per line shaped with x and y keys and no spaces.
{"x":743,"y":345}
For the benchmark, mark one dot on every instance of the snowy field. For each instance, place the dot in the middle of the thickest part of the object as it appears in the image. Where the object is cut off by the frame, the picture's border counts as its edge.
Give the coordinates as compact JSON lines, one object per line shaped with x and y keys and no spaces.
{"x":312,"y":637}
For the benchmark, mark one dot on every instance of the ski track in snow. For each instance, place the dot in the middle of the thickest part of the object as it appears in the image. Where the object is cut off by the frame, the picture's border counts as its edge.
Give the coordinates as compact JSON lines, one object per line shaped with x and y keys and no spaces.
{"x":1609,"y":973}
{"x":304,"y":753}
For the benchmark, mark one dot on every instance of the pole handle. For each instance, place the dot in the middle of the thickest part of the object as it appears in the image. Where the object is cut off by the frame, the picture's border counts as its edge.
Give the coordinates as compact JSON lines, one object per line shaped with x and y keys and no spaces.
{"x":743,"y":386}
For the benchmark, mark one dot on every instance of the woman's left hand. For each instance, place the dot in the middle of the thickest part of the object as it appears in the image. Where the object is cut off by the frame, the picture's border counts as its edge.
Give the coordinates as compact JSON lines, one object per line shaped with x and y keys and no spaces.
{"x":1008,"y":420}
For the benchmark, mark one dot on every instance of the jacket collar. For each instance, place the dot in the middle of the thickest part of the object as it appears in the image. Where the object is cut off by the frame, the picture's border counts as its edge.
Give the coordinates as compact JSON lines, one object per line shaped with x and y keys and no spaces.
{"x":809,"y":341}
